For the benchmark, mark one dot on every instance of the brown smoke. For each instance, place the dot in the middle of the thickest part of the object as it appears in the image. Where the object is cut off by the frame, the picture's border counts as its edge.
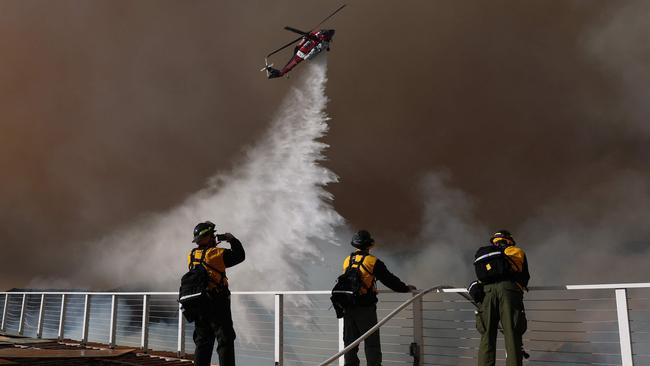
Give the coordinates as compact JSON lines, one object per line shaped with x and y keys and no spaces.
{"x":112,"y":110}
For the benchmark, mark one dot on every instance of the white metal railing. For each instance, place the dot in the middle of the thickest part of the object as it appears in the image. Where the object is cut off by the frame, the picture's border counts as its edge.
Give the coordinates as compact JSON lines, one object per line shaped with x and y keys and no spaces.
{"x":417,"y":333}
{"x":571,"y":325}
{"x":549,"y":313}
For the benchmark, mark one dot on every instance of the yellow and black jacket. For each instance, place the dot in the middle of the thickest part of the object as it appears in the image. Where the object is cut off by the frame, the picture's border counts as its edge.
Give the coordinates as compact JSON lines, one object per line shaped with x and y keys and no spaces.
{"x":216,"y":261}
{"x":373,"y":269}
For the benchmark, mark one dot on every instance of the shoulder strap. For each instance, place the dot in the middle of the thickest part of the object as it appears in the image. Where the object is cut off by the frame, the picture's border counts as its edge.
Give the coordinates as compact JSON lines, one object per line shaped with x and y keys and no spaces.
{"x":359,"y":262}
{"x":223,"y":274}
{"x":206,"y":264}
{"x":366,"y":268}
{"x":353,"y":260}
{"x":193,"y":258}
{"x":202,"y":260}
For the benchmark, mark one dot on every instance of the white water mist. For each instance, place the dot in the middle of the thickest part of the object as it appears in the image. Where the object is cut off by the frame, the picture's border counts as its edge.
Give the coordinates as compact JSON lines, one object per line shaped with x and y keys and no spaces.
{"x":274,"y":202}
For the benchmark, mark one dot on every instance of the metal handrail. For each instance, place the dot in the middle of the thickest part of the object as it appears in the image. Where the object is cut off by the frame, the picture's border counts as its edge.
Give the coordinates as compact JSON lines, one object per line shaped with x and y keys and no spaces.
{"x":621,"y":309}
{"x":380,"y":323}
{"x":25,"y":311}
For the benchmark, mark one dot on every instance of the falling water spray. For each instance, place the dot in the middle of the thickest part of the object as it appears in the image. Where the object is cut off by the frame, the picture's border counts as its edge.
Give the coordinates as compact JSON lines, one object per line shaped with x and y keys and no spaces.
{"x":274,"y":200}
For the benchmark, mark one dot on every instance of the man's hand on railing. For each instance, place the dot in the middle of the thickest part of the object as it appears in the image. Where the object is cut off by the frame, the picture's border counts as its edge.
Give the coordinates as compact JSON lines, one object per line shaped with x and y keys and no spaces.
{"x":412,"y":288}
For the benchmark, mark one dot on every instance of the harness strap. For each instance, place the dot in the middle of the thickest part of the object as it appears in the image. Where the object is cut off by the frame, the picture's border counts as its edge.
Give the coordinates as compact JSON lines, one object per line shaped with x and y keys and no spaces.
{"x":360,"y":262}
{"x":353,"y":261}
{"x":222,"y":274}
{"x":202,"y":261}
{"x":193,"y":258}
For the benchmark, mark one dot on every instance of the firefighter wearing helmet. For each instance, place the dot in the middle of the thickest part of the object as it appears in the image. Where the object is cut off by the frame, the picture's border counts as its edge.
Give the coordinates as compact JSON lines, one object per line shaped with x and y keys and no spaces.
{"x":215,"y":321}
{"x":502,"y":272}
{"x":362,"y":315}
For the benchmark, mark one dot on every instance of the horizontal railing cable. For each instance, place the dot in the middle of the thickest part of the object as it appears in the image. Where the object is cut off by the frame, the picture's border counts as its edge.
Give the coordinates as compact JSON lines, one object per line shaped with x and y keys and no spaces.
{"x":562,"y":328}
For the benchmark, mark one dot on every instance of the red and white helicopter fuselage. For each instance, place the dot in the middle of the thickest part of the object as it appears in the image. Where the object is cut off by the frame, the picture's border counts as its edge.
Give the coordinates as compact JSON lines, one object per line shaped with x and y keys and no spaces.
{"x":310,"y":44}
{"x":309,"y":47}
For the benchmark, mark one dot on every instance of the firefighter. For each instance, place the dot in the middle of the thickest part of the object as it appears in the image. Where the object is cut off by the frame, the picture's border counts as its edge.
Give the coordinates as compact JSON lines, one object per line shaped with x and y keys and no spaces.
{"x":502,"y":272}
{"x":362,"y":316}
{"x":215,"y":321}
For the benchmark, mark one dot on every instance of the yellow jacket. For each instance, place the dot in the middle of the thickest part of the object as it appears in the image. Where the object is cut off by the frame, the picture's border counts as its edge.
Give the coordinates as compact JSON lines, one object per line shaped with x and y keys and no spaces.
{"x":366,"y":269}
{"x":213,"y":262}
{"x":519,"y":265}
{"x":517,"y":257}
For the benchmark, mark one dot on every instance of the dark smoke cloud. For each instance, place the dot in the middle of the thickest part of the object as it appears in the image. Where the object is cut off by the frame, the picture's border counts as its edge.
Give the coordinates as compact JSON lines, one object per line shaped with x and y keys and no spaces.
{"x":525,"y":115}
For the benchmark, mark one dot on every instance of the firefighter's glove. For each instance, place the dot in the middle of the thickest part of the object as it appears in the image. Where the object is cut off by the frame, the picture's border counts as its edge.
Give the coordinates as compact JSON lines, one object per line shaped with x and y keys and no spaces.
{"x":412,"y":288}
{"x":226,"y":236}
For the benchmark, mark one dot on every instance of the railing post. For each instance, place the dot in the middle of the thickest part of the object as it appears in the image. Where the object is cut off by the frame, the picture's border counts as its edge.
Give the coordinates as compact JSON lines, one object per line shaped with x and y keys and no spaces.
{"x":417,"y":348}
{"x":113,"y":325}
{"x":181,"y":333}
{"x":624,"y":327}
{"x":62,"y":318}
{"x":279,"y":329}
{"x":39,"y":327}
{"x":4,"y":313}
{"x":341,"y":343}
{"x":22,"y":315}
{"x":84,"y":326}
{"x":144,"y":343}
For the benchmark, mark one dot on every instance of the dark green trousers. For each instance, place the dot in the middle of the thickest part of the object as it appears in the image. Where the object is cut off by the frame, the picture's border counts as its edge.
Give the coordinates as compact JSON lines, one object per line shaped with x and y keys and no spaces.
{"x":503,"y":303}
{"x":356,"y":321}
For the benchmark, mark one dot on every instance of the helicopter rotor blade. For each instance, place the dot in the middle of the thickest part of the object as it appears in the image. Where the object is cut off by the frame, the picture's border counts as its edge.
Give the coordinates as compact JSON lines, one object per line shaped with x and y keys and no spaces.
{"x":329,"y":16}
{"x":292,"y":29}
{"x":285,"y":46}
{"x":305,"y":34}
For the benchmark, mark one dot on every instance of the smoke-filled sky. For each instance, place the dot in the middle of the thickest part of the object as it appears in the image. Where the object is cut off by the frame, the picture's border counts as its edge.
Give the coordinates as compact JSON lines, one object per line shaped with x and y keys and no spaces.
{"x":449,"y":120}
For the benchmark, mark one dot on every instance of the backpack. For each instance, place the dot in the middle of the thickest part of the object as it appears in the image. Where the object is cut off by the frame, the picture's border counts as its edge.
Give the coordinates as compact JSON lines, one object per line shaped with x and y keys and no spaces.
{"x":492,"y":265}
{"x":192,"y":295}
{"x":347,"y":288}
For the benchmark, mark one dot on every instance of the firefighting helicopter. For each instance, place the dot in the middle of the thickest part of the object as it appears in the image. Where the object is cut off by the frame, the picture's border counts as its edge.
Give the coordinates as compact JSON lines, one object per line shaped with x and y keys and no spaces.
{"x":311,"y":44}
